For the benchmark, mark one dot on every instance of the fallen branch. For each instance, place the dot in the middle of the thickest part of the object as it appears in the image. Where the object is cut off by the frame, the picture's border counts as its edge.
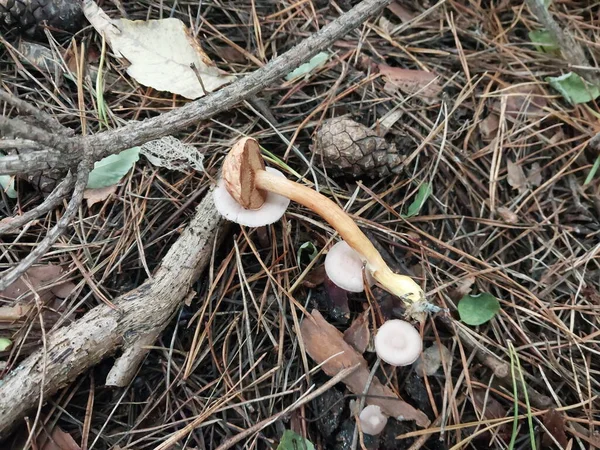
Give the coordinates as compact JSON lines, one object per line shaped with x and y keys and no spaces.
{"x":61,"y":191}
{"x":74,"y":349}
{"x":138,"y":133}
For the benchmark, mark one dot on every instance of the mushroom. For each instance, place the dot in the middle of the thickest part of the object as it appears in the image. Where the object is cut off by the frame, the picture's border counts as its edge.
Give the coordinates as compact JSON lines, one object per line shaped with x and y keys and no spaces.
{"x":249,"y":183}
{"x":372,"y":420}
{"x":344,"y":267}
{"x":271,"y":210}
{"x":398,"y":343}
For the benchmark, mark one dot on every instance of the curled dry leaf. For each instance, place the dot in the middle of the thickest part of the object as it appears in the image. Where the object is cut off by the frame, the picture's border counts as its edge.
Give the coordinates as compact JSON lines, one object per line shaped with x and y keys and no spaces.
{"x":315,"y":277}
{"x":423,"y":84}
{"x":488,"y":127}
{"x":358,"y":334}
{"x":94,"y":196}
{"x":507,"y":215}
{"x":516,"y":176}
{"x":162,"y":53}
{"x":431,"y":359}
{"x":489,"y":408}
{"x":462,"y":288}
{"x":326,"y":346}
{"x":534,"y":175}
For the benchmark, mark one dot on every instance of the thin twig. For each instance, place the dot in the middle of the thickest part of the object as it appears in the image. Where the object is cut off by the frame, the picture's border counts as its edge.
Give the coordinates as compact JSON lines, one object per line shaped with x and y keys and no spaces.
{"x":12,"y":275}
{"x":48,"y":122}
{"x":50,"y":202}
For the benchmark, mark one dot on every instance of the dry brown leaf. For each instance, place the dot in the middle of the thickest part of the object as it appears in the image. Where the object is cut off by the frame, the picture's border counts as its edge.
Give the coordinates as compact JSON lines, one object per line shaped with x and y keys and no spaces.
{"x":385,"y":25}
{"x":315,"y":277}
{"x":516,"y":176}
{"x":424,"y":84}
{"x":489,"y":408}
{"x":507,"y":215}
{"x":94,"y":196}
{"x":523,"y":100}
{"x":534,"y":175}
{"x":39,"y":277}
{"x":554,"y":422}
{"x":326,"y":346}
{"x":60,"y":441}
{"x":464,"y":287}
{"x":162,"y":53}
{"x":488,"y":127}
{"x":358,"y":334}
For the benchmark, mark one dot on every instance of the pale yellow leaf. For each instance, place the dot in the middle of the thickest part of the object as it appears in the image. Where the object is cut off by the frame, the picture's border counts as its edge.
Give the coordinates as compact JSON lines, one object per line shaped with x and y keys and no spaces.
{"x":162,"y":53}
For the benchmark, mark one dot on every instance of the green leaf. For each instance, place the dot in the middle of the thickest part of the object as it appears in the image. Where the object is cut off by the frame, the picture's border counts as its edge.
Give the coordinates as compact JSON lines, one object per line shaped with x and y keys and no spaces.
{"x":293,"y":441}
{"x":309,"y":249}
{"x":422,"y":196}
{"x":315,"y":62}
{"x":110,"y":170}
{"x":4,"y":344}
{"x":8,"y":184}
{"x":544,"y":42}
{"x":573,"y":88}
{"x":477,"y":309}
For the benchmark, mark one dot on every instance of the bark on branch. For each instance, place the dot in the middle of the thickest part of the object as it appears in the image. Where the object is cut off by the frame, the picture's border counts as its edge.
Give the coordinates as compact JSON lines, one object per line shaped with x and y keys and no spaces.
{"x":71,"y":350}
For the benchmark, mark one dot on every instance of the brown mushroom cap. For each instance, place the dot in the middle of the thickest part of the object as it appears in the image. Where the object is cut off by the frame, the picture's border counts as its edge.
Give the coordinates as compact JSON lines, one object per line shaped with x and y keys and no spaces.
{"x":239,"y":167}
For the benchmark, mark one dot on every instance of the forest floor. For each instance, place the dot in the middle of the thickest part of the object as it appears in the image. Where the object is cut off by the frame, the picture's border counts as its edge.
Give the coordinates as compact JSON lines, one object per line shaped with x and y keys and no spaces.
{"x":513,"y":212}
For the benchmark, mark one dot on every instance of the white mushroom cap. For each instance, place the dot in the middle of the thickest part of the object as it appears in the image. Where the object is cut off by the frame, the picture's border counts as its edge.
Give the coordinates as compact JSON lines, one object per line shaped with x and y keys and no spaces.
{"x":271,"y":211}
{"x":344,"y":266}
{"x":398,"y":343}
{"x":372,"y":420}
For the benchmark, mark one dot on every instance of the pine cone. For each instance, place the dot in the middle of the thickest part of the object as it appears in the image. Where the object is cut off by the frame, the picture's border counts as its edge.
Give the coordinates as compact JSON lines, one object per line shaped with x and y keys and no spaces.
{"x":354,"y":149}
{"x":26,"y":15}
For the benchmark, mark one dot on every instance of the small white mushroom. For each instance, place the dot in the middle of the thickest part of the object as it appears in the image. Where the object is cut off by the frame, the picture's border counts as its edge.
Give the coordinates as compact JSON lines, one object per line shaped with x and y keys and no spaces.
{"x":398,"y":343}
{"x":344,"y":267}
{"x":372,"y":420}
{"x":270,"y":212}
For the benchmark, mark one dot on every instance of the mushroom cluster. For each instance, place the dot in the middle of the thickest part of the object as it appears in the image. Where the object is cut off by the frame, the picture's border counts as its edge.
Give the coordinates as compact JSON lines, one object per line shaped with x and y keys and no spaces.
{"x":251,"y":194}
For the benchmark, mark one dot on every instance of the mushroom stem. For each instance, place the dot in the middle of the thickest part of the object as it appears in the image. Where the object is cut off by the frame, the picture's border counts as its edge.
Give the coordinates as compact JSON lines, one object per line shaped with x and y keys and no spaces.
{"x":400,"y":285}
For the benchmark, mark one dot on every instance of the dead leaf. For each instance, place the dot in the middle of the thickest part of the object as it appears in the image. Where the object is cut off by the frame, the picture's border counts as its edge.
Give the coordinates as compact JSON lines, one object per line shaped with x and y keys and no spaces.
{"x":232,"y":55}
{"x":358,"y":334}
{"x":326,"y":346}
{"x":554,"y":422}
{"x":431,"y":359}
{"x":412,"y":82}
{"x":462,"y":288}
{"x":162,"y":53}
{"x":401,"y":12}
{"x":385,"y":25}
{"x":39,"y":277}
{"x":523,"y":100}
{"x":60,"y":441}
{"x":97,"y":195}
{"x":507,"y":215}
{"x":315,"y":277}
{"x":488,"y":127}
{"x":534,"y":175}
{"x":516,"y":176}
